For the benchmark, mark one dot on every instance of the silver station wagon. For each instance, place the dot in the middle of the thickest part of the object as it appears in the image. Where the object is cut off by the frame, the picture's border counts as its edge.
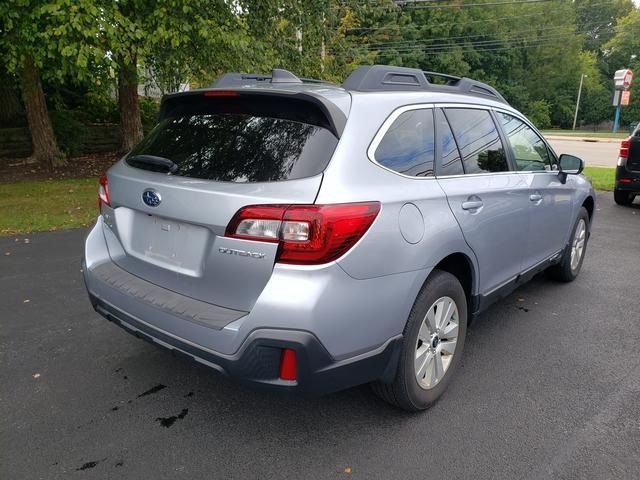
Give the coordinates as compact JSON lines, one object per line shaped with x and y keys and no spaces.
{"x":305,"y":236}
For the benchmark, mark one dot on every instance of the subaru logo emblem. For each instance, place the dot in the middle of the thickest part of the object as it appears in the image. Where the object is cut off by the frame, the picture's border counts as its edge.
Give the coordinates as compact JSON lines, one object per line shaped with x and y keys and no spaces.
{"x":151,"y":198}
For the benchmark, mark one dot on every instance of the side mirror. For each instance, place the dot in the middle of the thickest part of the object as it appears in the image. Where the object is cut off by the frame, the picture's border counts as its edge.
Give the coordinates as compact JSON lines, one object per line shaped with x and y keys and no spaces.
{"x":569,"y":165}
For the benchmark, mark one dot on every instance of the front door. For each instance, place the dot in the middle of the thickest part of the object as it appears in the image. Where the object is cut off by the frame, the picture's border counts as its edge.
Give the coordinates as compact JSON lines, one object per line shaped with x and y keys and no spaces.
{"x":549,"y":199}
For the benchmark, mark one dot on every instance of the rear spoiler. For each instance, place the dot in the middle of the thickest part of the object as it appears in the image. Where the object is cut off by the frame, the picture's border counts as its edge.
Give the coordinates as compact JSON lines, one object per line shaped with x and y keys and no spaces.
{"x":307,"y":106}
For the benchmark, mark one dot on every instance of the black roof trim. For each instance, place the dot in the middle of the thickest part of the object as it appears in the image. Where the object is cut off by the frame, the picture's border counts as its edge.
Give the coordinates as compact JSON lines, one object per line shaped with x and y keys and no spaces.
{"x":382,"y":78}
{"x":278,"y":76}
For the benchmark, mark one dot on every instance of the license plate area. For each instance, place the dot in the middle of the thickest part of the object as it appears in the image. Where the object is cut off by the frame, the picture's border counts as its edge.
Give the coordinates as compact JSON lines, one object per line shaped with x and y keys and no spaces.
{"x":170,"y":244}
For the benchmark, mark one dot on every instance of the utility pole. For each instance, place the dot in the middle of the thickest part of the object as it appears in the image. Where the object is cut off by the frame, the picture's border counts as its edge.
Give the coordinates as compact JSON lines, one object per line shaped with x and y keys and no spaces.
{"x":575,"y":116}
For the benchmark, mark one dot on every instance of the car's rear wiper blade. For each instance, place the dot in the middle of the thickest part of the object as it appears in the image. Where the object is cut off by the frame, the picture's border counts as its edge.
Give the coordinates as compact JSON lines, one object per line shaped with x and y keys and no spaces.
{"x":157,"y":164}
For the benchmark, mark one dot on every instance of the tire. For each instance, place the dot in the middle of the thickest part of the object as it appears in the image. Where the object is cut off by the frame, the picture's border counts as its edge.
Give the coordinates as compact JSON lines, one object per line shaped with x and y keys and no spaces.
{"x":565,"y":270}
{"x":622,"y":198}
{"x":405,"y":391}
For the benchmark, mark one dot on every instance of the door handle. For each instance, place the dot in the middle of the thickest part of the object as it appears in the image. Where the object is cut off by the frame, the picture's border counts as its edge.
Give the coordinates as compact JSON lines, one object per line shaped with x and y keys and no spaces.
{"x":472,"y":205}
{"x":535,"y":197}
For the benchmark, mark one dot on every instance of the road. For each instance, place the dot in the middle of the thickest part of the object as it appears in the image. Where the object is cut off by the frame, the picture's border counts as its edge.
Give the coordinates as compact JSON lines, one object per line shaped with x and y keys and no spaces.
{"x":600,"y":154}
{"x":548,"y":388}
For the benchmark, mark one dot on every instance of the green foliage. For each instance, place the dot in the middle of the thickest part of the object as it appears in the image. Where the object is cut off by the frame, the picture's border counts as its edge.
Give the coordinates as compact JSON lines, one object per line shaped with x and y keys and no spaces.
{"x":61,"y":36}
{"x":70,"y":131}
{"x":539,"y":112}
{"x":149,"y":110}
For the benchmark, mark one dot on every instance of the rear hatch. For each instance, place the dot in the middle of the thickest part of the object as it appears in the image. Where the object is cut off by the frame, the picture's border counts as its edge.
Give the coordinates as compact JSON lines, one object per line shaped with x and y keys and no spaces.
{"x":212,"y":153}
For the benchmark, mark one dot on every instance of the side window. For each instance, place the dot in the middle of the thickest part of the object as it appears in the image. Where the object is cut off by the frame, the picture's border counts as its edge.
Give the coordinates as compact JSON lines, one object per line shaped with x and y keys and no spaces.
{"x":529,"y":151}
{"x":478,"y":140}
{"x":449,"y":162}
{"x":408,"y":146}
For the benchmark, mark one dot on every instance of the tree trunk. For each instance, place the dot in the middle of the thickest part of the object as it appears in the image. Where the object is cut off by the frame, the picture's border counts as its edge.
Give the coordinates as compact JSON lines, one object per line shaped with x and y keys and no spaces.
{"x":45,"y":147}
{"x":130,"y":121}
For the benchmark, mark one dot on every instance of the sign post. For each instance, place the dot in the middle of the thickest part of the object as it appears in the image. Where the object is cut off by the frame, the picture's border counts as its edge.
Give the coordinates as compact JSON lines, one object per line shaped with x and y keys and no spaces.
{"x":622,"y":81}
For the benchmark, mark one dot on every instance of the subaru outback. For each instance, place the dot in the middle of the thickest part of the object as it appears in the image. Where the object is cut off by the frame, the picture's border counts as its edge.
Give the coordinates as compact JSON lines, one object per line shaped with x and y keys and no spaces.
{"x":304,"y":236}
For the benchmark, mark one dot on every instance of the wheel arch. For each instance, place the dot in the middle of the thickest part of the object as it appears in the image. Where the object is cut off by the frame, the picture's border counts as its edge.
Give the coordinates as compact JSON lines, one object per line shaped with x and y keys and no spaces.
{"x":589,"y":204}
{"x":462,"y":267}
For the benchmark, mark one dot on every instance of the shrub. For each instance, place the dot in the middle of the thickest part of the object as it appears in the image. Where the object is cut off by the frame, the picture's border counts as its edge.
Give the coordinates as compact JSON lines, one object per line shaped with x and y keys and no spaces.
{"x":70,"y":131}
{"x":149,"y":111}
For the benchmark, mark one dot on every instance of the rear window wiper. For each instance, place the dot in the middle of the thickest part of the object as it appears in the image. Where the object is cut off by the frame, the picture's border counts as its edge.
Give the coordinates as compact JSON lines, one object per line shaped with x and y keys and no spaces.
{"x":153,"y":163}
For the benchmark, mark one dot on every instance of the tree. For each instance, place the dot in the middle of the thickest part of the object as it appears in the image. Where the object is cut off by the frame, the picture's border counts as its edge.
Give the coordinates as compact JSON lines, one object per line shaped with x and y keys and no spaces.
{"x":623,"y":51}
{"x":177,"y":36}
{"x":55,"y":39}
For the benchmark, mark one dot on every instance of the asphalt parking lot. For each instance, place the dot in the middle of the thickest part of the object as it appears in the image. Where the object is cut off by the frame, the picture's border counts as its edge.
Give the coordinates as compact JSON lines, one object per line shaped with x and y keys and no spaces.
{"x":549,"y":388}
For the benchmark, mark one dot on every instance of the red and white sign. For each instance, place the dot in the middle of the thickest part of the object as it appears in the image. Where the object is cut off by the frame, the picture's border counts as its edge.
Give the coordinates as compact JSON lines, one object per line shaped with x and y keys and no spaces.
{"x":622,"y":78}
{"x":624,"y":100}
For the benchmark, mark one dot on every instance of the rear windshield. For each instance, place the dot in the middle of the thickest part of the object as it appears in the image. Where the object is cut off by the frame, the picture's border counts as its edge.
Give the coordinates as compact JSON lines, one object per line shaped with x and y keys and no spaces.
{"x":238,"y":147}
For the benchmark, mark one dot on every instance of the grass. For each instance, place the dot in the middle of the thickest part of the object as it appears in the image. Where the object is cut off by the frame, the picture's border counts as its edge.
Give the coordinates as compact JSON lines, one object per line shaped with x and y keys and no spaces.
{"x":587,"y":133}
{"x":27,"y":207}
{"x":602,"y":178}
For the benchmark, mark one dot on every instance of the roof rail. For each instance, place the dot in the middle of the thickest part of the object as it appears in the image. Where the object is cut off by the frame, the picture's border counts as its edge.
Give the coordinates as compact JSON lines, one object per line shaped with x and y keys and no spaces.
{"x":380,"y":78}
{"x":278,"y":76}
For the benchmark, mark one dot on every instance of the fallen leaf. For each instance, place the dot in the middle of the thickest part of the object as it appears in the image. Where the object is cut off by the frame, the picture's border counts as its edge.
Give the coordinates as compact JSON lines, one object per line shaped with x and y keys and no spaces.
{"x":347,"y":470}
{"x":36,"y":375}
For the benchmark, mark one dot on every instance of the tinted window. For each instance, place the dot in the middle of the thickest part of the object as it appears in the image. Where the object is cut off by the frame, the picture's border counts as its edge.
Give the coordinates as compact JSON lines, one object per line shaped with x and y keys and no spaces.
{"x":239,"y":147}
{"x":478,"y":140}
{"x":408,"y":145}
{"x":449,"y":161}
{"x":529,"y":151}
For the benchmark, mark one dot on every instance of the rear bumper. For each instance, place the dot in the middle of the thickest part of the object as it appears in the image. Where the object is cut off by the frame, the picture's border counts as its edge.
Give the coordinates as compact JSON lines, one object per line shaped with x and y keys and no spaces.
{"x":257,"y":362}
{"x":345,"y":331}
{"x":627,"y":181}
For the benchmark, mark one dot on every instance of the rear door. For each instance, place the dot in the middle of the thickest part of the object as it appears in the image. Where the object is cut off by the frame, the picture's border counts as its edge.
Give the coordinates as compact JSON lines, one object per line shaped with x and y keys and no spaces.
{"x":550,"y":201}
{"x":168,"y":224}
{"x":489,"y":201}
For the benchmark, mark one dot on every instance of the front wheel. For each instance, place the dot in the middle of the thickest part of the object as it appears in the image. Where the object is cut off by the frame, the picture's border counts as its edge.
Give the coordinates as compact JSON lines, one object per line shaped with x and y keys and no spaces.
{"x":571,"y":263}
{"x":432,"y":345}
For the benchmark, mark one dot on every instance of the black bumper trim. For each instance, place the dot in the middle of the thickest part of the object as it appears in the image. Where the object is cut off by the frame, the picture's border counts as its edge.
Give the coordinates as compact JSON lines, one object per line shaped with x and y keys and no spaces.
{"x":257,"y":361}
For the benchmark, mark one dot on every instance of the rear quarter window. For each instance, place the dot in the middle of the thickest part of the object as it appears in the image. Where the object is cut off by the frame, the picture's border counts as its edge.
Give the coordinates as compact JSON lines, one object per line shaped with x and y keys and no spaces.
{"x":408,"y":145}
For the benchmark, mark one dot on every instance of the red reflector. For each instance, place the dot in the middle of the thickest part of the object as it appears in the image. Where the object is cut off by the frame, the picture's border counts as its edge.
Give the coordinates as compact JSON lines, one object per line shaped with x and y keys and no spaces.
{"x":288,"y":365}
{"x":221,"y":93}
{"x":103,"y":191}
{"x":624,"y":180}
{"x":624,"y":148}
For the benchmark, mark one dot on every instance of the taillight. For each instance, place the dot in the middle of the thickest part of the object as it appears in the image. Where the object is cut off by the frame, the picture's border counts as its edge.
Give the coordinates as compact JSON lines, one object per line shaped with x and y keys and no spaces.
{"x":307,"y":234}
{"x":103,"y":191}
{"x":624,"y":148}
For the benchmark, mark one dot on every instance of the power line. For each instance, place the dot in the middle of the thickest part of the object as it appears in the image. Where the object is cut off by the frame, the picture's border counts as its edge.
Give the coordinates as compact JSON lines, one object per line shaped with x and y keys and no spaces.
{"x":512,"y":35}
{"x":417,"y":41}
{"x":472,"y":5}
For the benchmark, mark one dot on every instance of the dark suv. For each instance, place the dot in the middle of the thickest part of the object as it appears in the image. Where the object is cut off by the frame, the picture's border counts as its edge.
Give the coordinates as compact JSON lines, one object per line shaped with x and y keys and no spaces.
{"x":628,"y":171}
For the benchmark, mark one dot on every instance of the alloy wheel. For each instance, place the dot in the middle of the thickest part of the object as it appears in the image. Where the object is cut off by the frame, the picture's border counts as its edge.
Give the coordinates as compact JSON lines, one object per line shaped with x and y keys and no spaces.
{"x":436,"y":344}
